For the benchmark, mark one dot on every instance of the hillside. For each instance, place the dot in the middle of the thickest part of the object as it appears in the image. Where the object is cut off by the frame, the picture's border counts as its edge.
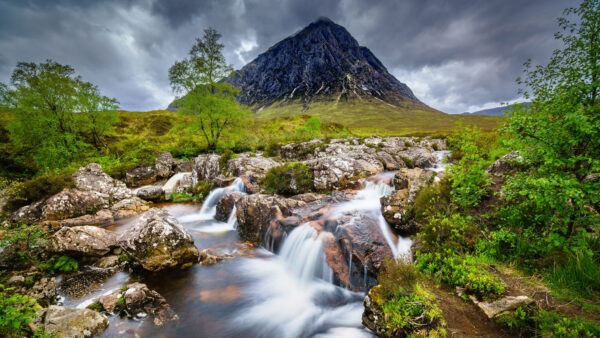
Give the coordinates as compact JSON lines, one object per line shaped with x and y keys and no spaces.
{"x":498,"y":111}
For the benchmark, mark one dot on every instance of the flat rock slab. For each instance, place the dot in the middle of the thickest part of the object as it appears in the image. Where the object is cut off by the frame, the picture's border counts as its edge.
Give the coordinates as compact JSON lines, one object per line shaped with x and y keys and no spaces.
{"x":67,"y":322}
{"x":501,"y":305}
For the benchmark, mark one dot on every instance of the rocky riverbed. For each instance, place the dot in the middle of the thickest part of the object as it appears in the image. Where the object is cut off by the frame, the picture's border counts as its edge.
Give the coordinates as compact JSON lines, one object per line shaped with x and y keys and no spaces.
{"x":244,"y":262}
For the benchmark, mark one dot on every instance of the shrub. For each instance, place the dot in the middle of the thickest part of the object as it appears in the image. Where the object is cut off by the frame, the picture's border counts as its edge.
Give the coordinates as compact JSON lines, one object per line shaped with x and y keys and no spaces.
{"x":288,"y":179}
{"x":272,"y":149}
{"x":37,"y":189}
{"x":21,"y":242}
{"x":181,"y":197}
{"x":528,"y":320}
{"x":454,"y":234}
{"x":407,"y":161}
{"x":16,"y":311}
{"x":579,"y":276}
{"x":433,"y":200}
{"x":66,"y":264}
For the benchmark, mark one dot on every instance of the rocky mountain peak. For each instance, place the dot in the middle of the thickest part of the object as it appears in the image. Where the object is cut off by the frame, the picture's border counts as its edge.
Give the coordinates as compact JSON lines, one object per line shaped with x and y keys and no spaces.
{"x":322,"y":61}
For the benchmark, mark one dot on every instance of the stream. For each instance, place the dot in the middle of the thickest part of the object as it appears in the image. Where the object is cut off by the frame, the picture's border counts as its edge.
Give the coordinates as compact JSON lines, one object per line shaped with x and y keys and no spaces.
{"x":289,"y":293}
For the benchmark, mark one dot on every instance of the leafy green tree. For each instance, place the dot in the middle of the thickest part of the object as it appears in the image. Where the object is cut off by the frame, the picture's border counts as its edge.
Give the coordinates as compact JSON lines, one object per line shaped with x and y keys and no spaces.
{"x":212,"y":102}
{"x":558,"y":135}
{"x":53,"y":110}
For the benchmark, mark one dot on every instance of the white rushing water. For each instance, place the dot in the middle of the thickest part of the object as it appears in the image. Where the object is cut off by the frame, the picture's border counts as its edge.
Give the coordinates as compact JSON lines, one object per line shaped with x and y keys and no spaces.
{"x":206,"y":216}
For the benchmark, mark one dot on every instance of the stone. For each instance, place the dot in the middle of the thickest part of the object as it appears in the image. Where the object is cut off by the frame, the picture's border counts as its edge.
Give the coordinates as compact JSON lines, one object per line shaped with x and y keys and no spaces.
{"x":419,"y":157}
{"x":182,"y":166}
{"x":163,"y":165}
{"x":44,"y":290}
{"x":206,"y":167}
{"x":505,"y":164}
{"x":501,"y":305}
{"x":68,"y":322}
{"x":151,"y":193}
{"x":413,"y":180}
{"x":91,"y":178}
{"x":108,"y":262}
{"x":110,"y":301}
{"x":82,"y":240}
{"x":300,"y":151}
{"x":16,"y":280}
{"x":72,"y":203}
{"x":140,"y":176}
{"x":141,"y":300}
{"x":158,"y":241}
{"x":129,"y":207}
{"x":28,"y":214}
{"x":253,"y":167}
{"x":394,"y":208}
{"x":225,"y":206}
{"x":336,"y":172}
{"x":210,"y":257}
{"x":255,"y":212}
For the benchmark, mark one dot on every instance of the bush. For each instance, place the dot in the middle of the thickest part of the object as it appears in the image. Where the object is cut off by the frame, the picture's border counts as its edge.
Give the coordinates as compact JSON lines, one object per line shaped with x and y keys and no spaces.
{"x":529,"y":321}
{"x":578,"y":276}
{"x":454,"y":235}
{"x":433,"y":200}
{"x":404,"y":306}
{"x":16,"y":311}
{"x":288,"y":179}
{"x":65,"y":264}
{"x":37,"y":189}
{"x":21,"y":242}
{"x":272,"y":149}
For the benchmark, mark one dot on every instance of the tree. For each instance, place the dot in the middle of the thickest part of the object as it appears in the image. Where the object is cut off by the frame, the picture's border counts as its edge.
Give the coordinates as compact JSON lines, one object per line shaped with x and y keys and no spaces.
{"x":558,"y":135}
{"x":53,"y":110}
{"x":212,"y":102}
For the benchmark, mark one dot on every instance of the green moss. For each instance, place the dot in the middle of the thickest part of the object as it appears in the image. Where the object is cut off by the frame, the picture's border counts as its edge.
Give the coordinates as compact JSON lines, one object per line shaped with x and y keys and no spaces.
{"x":96,"y":306}
{"x":202,"y":189}
{"x":288,"y":179}
{"x":38,"y":188}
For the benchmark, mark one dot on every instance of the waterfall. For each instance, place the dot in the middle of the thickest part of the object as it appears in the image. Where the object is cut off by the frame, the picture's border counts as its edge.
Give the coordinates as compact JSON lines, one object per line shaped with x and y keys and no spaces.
{"x":303,"y":253}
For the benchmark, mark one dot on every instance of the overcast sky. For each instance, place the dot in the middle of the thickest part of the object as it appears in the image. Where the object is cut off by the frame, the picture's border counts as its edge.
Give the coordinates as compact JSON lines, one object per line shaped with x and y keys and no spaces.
{"x":455,"y":55}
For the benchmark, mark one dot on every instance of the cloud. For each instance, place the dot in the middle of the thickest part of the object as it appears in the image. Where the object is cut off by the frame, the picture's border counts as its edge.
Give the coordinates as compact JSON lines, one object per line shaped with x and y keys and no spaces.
{"x":456,"y":55}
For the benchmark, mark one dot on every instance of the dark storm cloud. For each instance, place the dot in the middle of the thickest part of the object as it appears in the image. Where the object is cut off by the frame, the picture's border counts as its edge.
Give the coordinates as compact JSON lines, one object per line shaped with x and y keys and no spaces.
{"x":456,"y":55}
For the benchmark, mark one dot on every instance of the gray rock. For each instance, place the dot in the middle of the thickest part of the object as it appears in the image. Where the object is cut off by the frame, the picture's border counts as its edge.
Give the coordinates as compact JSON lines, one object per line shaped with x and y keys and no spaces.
{"x":67,"y":322}
{"x":129,"y":207}
{"x":82,"y":240}
{"x":108,"y":262}
{"x":72,"y":203}
{"x":501,"y":305}
{"x":16,"y":280}
{"x":151,"y":193}
{"x":253,"y":167}
{"x":413,"y":180}
{"x":505,"y":164}
{"x":206,"y":167}
{"x":164,"y":164}
{"x":91,"y":178}
{"x":158,"y":241}
{"x":141,"y":176}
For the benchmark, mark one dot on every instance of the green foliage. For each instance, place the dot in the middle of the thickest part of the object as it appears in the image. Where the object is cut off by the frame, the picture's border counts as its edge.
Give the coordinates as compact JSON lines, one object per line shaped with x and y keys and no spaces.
{"x":530,"y":321}
{"x":272,"y":149}
{"x":96,"y":306}
{"x":311,"y":129}
{"x":578,"y":276}
{"x":453,"y":235}
{"x":470,"y":183}
{"x":203,"y":188}
{"x":16,"y":311}
{"x":212,"y":103}
{"x":433,"y":200}
{"x":288,"y":179}
{"x":21,"y":242}
{"x":224,"y":159}
{"x":406,"y":307}
{"x":181,"y":197}
{"x":56,"y":115}
{"x":65,"y":264}
{"x":35,"y":189}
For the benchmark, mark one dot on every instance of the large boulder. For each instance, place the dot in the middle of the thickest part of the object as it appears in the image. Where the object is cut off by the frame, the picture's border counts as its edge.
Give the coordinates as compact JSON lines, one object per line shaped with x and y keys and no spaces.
{"x":129,"y":207}
{"x":253,"y":167}
{"x":164,"y":164}
{"x":158,"y":241}
{"x":140,"y":176}
{"x":73,"y":203}
{"x":206,"y":167}
{"x":300,"y":151}
{"x":337,"y":171}
{"x":67,"y":322}
{"x":139,"y":301}
{"x":413,"y":180}
{"x":153,"y":193}
{"x":102,"y":217}
{"x":28,"y":214}
{"x":91,"y":178}
{"x":255,"y":213}
{"x":505,"y":164}
{"x":394,"y":208}
{"x":82,"y":240}
{"x":226,"y":204}
{"x":419,"y":157}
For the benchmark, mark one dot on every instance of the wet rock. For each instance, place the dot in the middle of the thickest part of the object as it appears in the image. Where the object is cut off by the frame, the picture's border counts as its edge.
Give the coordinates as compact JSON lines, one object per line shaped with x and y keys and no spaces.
{"x":309,"y":197}
{"x":222,"y":181}
{"x":110,"y":301}
{"x":394,"y":208}
{"x":182,"y":166}
{"x":72,"y":203}
{"x":108,"y":262}
{"x":82,"y":240}
{"x":250,"y":185}
{"x":255,"y":212}
{"x":226,"y":205}
{"x":389,"y":162}
{"x":44,"y":290}
{"x":413,"y":180}
{"x":158,"y":241}
{"x":505,"y":164}
{"x":211,"y":257}
{"x":501,"y":305}
{"x":139,"y":301}
{"x":67,"y":322}
{"x":28,"y":214}
{"x":335,"y":259}
{"x":253,"y":167}
{"x":102,"y":217}
{"x":206,"y":167}
{"x":129,"y":207}
{"x":151,"y":193}
{"x":16,"y":280}
{"x":83,"y":281}
{"x":141,"y":176}
{"x":164,"y":164}
{"x":336,"y":172}
{"x":91,"y":178}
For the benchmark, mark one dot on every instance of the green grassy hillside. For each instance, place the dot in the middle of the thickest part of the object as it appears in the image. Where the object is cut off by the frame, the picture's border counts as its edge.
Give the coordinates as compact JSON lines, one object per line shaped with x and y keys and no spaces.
{"x":366,"y":117}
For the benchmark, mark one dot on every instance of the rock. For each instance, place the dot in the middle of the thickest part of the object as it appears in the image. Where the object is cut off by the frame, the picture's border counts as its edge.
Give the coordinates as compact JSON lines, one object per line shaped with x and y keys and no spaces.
{"x":102,"y":217}
{"x":91,"y":178}
{"x":44,"y":290}
{"x":182,"y":166}
{"x":505,"y":164}
{"x":108,"y":262}
{"x":164,"y":164}
{"x":151,"y":193}
{"x":84,"y":280}
{"x":335,"y":259}
{"x":129,"y":207}
{"x":335,"y":172}
{"x":28,"y":214}
{"x":372,"y":316}
{"x":206,"y":167}
{"x":394,"y":208}
{"x":139,"y":301}
{"x":419,"y":157}
{"x":67,"y":322}
{"x":501,"y":305}
{"x":255,"y":212}
{"x":250,"y":185}
{"x":253,"y":167}
{"x":16,"y":280}
{"x":222,"y":181}
{"x":389,"y":163}
{"x":72,"y":203}
{"x":210,"y":257}
{"x":413,"y":180}
{"x":110,"y":301}
{"x":82,"y":240}
{"x":158,"y":241}
{"x":141,"y":176}
{"x":300,"y":151}
{"x":180,"y":182}
{"x":226,"y":205}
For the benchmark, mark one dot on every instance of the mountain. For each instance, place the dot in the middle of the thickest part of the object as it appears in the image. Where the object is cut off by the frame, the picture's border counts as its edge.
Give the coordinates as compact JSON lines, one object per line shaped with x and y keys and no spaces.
{"x":320,"y":63}
{"x":498,"y":111}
